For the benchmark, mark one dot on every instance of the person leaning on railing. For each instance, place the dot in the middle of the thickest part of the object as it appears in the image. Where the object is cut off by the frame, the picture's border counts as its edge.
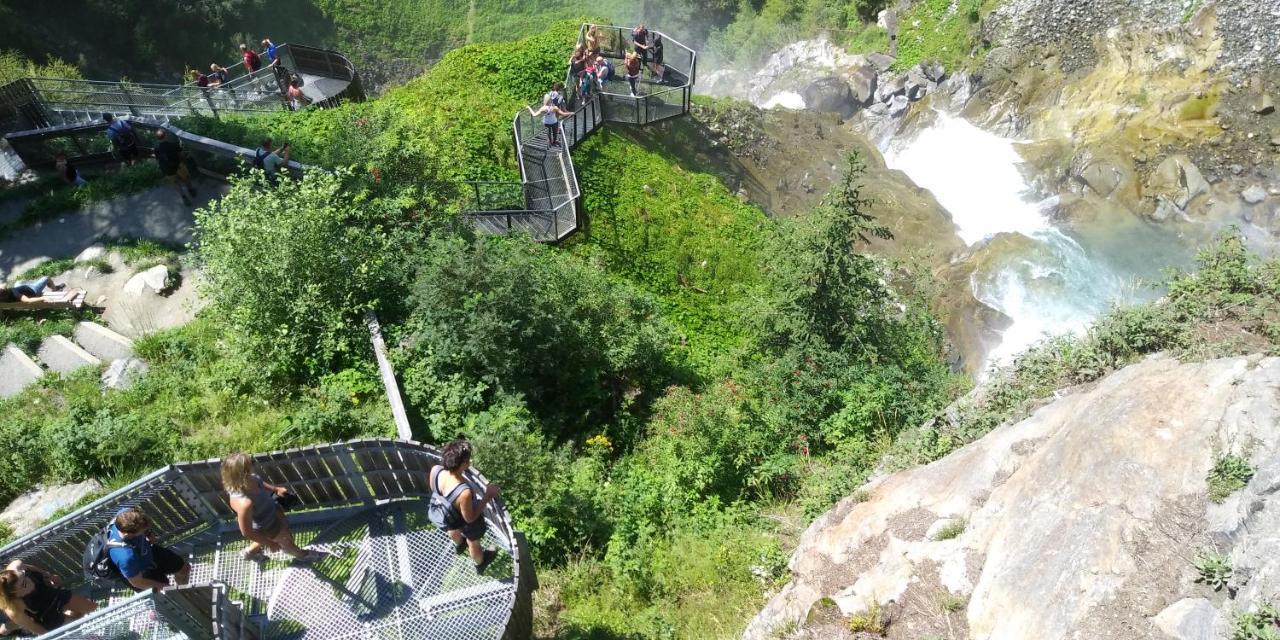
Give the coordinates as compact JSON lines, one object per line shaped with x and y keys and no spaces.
{"x":143,"y":563}
{"x":35,"y":600}
{"x":454,"y":507}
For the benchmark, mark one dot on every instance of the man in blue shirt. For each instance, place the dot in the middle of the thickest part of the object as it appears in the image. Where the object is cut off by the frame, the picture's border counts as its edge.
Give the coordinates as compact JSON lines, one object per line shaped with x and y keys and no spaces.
{"x":143,"y":564}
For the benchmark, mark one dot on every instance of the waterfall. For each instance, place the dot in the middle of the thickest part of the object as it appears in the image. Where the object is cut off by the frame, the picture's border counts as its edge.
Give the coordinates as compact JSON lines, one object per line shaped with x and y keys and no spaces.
{"x":1049,"y":281}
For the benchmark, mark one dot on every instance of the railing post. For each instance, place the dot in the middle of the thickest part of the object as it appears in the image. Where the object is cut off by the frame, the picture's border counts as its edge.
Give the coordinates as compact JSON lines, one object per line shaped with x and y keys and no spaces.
{"x":476,"y":188}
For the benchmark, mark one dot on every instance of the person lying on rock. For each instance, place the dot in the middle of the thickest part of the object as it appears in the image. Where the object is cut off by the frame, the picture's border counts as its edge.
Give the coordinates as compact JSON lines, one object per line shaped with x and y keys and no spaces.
{"x":29,"y":290}
{"x":34,"y":599}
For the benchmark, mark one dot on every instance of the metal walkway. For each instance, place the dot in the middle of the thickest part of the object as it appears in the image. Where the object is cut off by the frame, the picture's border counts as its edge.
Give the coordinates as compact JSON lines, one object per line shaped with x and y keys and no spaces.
{"x":388,"y":573}
{"x":549,"y":181}
{"x":37,"y":103}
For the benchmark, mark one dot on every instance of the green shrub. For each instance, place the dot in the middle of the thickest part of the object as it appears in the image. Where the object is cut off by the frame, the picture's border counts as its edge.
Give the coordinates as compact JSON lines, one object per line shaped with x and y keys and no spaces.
{"x":1260,"y":624}
{"x":28,"y":331}
{"x":1229,"y":474}
{"x":871,"y":621}
{"x":1214,"y":569}
{"x":952,"y":530}
{"x":293,"y":269}
{"x":94,"y":443}
{"x":950,"y":603}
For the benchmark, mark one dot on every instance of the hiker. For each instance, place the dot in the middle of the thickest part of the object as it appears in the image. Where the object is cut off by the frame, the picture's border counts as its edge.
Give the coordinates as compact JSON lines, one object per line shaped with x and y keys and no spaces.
{"x":593,"y":40}
{"x":556,"y":94}
{"x":270,"y":161}
{"x":270,"y":48}
{"x":68,"y":172}
{"x":578,"y":61}
{"x":258,"y":511}
{"x":640,"y":41}
{"x":633,"y":66}
{"x":551,"y":114}
{"x":454,"y":507}
{"x":144,"y":564}
{"x":217,"y":75}
{"x":169,"y":156}
{"x":199,"y":79}
{"x":587,"y":83}
{"x":604,"y":71}
{"x":297,"y":100}
{"x":29,"y":290}
{"x":124,"y":140}
{"x":656,"y":67}
{"x":34,"y":599}
{"x":251,"y":60}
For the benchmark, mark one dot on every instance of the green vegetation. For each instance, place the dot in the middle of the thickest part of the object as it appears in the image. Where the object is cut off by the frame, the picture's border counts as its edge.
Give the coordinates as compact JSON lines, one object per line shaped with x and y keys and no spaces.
{"x":952,"y":530}
{"x":951,"y":603}
{"x":28,"y":331}
{"x":14,"y":65}
{"x":938,"y":30}
{"x":53,"y":197}
{"x":872,"y":621}
{"x":1230,"y":473}
{"x":1261,"y":624}
{"x":1214,"y":569}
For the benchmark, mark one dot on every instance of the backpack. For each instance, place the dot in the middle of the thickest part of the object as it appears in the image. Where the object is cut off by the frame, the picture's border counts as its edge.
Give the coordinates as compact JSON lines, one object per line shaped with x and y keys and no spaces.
{"x":259,"y":159}
{"x":124,"y":136}
{"x":99,"y":569}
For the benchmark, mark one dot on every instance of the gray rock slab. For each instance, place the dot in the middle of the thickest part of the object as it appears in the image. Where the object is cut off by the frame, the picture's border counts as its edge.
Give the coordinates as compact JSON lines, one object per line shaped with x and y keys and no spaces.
{"x":26,"y":513}
{"x":1254,"y":194}
{"x":1190,"y":619}
{"x":153,"y":279}
{"x":64,"y":356}
{"x":122,"y":373}
{"x":17,"y":370}
{"x":102,"y":342}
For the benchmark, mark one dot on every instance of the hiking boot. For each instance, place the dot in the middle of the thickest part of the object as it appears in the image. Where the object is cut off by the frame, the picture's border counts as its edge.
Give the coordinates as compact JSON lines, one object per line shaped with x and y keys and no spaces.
{"x":489,"y":555}
{"x":255,"y":555}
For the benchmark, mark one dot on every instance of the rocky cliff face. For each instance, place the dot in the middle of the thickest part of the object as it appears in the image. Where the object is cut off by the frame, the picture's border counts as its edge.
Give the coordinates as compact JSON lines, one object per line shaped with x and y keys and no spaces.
{"x":1084,"y":520}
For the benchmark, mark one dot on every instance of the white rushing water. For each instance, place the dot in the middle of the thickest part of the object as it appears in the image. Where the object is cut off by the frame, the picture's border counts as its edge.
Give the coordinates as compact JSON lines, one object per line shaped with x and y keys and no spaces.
{"x":1047,"y":281}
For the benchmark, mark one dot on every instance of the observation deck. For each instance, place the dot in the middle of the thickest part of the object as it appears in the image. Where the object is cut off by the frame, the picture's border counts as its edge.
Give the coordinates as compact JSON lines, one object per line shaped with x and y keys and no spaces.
{"x":388,"y":573}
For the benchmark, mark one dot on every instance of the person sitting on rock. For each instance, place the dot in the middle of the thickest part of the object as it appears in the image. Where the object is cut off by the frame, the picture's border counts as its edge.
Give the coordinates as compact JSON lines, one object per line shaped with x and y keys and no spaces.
{"x":35,"y":600}
{"x":454,"y":507}
{"x":29,"y":290}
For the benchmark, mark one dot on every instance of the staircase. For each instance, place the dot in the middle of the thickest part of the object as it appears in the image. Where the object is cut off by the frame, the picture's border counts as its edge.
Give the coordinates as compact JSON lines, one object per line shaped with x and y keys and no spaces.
{"x":89,"y":346}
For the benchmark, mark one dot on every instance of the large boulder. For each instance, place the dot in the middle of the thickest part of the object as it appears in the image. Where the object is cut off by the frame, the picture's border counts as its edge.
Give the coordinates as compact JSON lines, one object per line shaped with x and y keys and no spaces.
{"x":917,"y":83}
{"x":893,"y":87}
{"x":1080,"y":521}
{"x":154,"y":280}
{"x":862,"y":81}
{"x":28,"y":511}
{"x":830,"y":95}
{"x":1173,"y":185}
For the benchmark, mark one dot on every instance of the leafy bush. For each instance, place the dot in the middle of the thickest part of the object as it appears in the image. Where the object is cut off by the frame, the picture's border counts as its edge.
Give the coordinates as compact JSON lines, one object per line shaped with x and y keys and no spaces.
{"x":27,"y":331}
{"x":1260,"y":624}
{"x":1229,"y":474}
{"x":952,"y":530}
{"x":293,"y":269}
{"x":1214,"y":569}
{"x":495,"y":316}
{"x":90,"y":443}
{"x":871,"y":621}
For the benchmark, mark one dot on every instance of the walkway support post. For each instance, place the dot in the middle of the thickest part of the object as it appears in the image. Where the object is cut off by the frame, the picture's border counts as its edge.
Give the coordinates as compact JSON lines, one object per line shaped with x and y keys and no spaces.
{"x":403,"y":430}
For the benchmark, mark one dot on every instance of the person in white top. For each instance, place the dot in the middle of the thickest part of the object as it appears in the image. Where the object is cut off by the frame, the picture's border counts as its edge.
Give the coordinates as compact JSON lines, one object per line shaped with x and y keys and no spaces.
{"x":551,"y":114}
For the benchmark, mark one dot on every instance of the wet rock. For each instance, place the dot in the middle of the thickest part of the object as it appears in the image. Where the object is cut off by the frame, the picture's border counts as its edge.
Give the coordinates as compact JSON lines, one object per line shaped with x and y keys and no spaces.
{"x":1263,"y":104}
{"x":881,"y":61}
{"x":898,"y":105}
{"x":830,"y":95}
{"x":894,"y":87}
{"x":863,"y":84}
{"x":1175,"y":183}
{"x":917,"y":85}
{"x":1254,"y":194}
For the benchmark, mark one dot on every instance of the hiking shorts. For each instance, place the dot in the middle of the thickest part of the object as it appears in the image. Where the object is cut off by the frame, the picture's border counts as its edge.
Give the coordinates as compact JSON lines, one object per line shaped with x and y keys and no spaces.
{"x":167,"y":564}
{"x":470,"y":530}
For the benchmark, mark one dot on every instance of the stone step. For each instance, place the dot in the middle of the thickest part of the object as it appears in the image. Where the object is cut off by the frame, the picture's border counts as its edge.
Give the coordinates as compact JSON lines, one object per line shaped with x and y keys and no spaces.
{"x":17,"y":370}
{"x":102,"y":342}
{"x":64,"y":356}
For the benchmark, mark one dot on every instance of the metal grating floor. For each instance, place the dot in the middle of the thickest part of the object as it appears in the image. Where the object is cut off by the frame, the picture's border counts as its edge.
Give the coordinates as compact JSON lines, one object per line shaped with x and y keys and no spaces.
{"x":389,"y":574}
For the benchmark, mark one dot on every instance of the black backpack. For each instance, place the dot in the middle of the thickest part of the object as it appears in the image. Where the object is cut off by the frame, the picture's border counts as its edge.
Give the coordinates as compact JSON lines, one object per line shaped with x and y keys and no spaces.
{"x":99,"y":569}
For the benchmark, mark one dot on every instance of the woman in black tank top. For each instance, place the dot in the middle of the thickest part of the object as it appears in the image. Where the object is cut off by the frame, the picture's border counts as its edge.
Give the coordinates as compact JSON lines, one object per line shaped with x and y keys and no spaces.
{"x":455,"y":509}
{"x":34,"y":599}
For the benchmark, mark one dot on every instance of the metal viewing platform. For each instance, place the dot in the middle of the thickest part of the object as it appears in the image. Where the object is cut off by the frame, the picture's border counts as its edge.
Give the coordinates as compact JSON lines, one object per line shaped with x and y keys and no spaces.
{"x":387,"y":574}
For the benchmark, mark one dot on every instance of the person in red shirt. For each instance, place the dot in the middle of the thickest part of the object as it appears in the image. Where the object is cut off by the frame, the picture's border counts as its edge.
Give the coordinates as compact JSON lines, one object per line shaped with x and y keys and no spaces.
{"x":251,"y":61}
